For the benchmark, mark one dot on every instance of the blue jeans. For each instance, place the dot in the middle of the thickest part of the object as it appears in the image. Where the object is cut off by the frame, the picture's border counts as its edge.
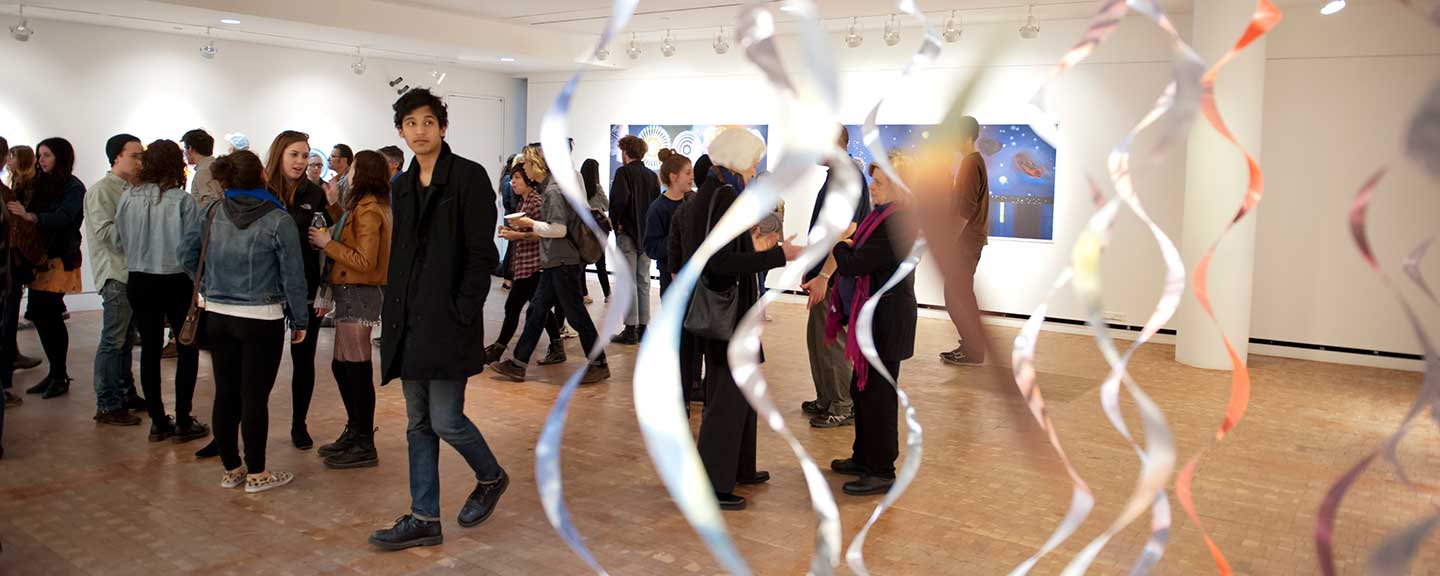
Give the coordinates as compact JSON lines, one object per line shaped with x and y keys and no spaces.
{"x":436,"y":409}
{"x":114,"y":379}
{"x":639,"y":313}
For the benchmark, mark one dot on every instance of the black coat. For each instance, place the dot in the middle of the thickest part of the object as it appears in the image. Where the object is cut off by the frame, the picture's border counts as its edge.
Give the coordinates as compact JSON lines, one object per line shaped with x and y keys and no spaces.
{"x":631,"y":193}
{"x":58,"y":204}
{"x":442,"y":253}
{"x":738,"y":262}
{"x":882,"y":253}
{"x":309,"y":200}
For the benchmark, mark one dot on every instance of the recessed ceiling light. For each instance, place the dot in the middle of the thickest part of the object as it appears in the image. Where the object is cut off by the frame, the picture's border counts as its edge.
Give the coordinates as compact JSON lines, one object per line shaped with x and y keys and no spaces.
{"x":1332,"y":7}
{"x":506,"y":59}
{"x":229,"y":21}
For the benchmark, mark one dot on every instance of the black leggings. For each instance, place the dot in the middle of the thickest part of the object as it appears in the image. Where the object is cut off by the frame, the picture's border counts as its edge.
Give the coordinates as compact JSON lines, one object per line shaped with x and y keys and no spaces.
{"x":602,"y":274}
{"x":521,"y":291}
{"x":302,"y":379}
{"x":9,"y":324}
{"x":154,"y":299}
{"x":246,"y":357}
{"x":46,"y":310}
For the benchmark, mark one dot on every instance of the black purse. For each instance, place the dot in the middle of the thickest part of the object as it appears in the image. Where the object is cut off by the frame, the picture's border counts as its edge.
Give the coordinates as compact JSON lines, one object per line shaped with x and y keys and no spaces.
{"x":712,"y":313}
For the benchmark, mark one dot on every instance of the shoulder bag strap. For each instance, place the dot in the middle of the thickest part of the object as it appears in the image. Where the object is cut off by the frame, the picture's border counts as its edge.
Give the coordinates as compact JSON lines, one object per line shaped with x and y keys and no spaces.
{"x":204,"y":250}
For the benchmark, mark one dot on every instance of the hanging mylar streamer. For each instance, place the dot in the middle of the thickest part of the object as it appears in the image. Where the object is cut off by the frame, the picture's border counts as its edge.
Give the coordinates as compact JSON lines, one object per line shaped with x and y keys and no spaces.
{"x":554,"y":133}
{"x":810,"y":123}
{"x":1266,"y":16}
{"x":1082,"y":499}
{"x":808,"y":139}
{"x":864,"y":335}
{"x":1394,"y":554}
{"x":1177,"y":105}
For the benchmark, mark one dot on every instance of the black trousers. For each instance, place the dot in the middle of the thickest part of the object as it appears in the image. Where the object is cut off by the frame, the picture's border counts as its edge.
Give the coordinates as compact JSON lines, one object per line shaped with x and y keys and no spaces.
{"x":246,"y":356}
{"x":46,"y":310}
{"x":302,"y":378}
{"x":877,"y":421}
{"x":9,"y":324}
{"x":521,"y":292}
{"x":602,"y":274}
{"x":727,"y":426}
{"x":154,"y":299}
{"x":558,"y":286}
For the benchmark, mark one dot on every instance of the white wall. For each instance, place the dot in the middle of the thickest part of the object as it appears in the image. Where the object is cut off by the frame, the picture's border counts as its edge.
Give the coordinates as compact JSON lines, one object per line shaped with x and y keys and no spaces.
{"x":1338,"y":94}
{"x":86,"y":83}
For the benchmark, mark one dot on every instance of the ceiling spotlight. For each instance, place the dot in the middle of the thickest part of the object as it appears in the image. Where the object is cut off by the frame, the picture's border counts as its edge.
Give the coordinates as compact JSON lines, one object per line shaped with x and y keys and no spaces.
{"x":667,"y":46}
{"x":854,"y":39}
{"x":358,"y":66}
{"x":439,"y":76}
{"x":1031,"y":29}
{"x":230,"y":21}
{"x":601,"y":54}
{"x":952,"y":29}
{"x":721,"y":44}
{"x":21,"y":32}
{"x":506,"y":59}
{"x":208,"y":51}
{"x":397,"y":81}
{"x":402,"y":90}
{"x":892,"y":31}
{"x":634,"y":50}
{"x":1330,"y":7}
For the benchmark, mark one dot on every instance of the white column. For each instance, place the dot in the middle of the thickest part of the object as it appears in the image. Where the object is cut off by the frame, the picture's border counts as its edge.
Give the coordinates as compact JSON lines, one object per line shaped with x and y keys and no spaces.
{"x":1215,"y":183}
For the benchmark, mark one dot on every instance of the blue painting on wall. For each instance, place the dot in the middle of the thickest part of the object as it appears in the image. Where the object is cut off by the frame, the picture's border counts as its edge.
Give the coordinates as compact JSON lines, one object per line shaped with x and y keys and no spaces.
{"x":691,"y":141}
{"x":1021,"y":166}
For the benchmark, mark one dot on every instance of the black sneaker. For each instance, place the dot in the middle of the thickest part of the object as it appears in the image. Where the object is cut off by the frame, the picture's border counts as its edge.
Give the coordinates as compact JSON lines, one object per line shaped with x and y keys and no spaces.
{"x":628,"y":337}
{"x":832,"y":421}
{"x":959,"y":358}
{"x":848,"y":467}
{"x":494,"y":353}
{"x":509,"y":369}
{"x":161,"y":430}
{"x":360,"y":454}
{"x":408,"y":532}
{"x":555,"y":355}
{"x":190,"y":429}
{"x":341,"y":444}
{"x":481,"y":502}
{"x":117,"y":417}
{"x":814,"y":407}
{"x":596,"y":373}
{"x":300,"y":437}
{"x":58,"y":387}
{"x":729,"y":501}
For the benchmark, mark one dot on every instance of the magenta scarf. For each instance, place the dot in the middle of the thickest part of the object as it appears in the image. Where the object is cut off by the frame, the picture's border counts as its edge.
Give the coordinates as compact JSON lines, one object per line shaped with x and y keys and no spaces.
{"x":862,"y":293}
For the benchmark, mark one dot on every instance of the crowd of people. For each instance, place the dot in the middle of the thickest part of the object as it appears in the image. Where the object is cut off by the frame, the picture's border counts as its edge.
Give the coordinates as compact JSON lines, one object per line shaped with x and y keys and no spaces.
{"x":250,"y":254}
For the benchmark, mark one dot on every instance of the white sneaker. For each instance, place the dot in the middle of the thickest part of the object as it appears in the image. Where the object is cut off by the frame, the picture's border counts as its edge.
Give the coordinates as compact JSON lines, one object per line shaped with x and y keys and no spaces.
{"x":255,"y":484}
{"x":234,"y":479}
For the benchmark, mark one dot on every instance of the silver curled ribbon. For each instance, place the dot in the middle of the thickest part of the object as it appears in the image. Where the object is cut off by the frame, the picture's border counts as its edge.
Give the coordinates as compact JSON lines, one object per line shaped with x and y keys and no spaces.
{"x":554,"y":134}
{"x":929,"y":50}
{"x":811,"y":118}
{"x":1177,"y":105}
{"x":816,"y":98}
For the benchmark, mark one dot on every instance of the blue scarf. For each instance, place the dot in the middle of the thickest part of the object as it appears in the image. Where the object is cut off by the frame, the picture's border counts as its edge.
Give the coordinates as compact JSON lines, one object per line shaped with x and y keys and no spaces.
{"x":260,"y":193}
{"x":731,"y":178}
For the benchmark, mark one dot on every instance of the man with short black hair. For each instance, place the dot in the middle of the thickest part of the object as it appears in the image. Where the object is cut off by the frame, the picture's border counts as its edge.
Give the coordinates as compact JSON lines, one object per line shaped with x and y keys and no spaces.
{"x":971,"y":209}
{"x":199,"y":152}
{"x":114,"y":380}
{"x":443,"y":253}
{"x":341,"y":157}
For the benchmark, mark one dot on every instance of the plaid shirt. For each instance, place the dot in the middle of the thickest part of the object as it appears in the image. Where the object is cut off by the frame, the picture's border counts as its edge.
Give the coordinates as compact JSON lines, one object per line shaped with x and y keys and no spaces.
{"x":525,"y":259}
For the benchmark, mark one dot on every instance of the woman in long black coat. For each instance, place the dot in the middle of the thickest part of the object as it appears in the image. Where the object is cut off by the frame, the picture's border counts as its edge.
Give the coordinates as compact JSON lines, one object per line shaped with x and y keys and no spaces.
{"x":728,"y":424}
{"x":871,"y":256}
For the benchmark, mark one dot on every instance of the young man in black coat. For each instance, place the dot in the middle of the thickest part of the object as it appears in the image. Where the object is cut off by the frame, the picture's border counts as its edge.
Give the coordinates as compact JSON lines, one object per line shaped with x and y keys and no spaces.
{"x":442,"y":255}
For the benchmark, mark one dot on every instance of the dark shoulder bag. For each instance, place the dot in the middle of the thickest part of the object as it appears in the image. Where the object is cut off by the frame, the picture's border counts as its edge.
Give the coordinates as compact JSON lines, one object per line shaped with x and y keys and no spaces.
{"x":191,"y":328}
{"x":712,"y":313}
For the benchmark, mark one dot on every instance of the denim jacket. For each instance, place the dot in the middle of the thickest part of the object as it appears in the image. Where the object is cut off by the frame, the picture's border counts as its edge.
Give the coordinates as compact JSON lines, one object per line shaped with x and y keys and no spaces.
{"x":150,"y":226}
{"x":254,"y":257}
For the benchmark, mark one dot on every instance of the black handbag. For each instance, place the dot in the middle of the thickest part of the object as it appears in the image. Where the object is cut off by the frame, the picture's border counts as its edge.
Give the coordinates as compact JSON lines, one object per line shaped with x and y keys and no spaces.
{"x":712,"y":312}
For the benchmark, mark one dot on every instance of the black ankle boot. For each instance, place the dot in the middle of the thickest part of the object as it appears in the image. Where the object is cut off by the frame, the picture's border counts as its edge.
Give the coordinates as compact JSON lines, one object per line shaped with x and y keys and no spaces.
{"x":341,"y":444}
{"x":360,"y":454}
{"x":555,"y":355}
{"x":408,"y":532}
{"x":628,"y":336}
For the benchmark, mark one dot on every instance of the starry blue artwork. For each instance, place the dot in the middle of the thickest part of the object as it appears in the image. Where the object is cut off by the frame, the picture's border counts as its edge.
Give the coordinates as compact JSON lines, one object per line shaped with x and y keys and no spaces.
{"x":1020,"y":163}
{"x":691,"y":141}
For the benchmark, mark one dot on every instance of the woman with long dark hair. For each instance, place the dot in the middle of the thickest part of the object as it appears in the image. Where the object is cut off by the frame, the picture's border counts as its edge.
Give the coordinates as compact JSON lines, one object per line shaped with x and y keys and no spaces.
{"x":728,"y":424}
{"x":252,"y":282}
{"x":595,"y":193}
{"x":150,"y":221}
{"x":56,"y":207}
{"x":357,"y":253}
{"x":306,"y":203}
